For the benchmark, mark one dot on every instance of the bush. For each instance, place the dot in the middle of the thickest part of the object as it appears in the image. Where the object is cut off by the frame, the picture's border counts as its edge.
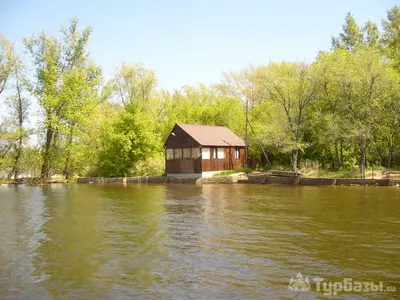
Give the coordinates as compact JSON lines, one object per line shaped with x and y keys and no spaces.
{"x":150,"y":167}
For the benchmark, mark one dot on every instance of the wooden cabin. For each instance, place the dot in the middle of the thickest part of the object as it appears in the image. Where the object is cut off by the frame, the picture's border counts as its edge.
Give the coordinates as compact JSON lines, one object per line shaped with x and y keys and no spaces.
{"x":202,"y":150}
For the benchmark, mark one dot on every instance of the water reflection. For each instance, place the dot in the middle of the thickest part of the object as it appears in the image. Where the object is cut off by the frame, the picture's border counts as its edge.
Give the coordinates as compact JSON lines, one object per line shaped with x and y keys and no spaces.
{"x":133,"y":232}
{"x":187,"y":241}
{"x":23,"y":214}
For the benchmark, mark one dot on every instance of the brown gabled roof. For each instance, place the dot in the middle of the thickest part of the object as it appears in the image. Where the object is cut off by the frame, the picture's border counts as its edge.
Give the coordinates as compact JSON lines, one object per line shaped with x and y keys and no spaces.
{"x":212,"y":135}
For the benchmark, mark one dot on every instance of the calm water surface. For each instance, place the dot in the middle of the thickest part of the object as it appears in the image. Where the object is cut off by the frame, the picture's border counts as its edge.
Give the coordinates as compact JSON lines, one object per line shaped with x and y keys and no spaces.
{"x":195,"y":242}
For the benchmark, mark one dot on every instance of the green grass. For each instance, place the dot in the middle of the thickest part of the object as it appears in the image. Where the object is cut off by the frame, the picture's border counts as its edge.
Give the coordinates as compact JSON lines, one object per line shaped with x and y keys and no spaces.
{"x":230,"y":172}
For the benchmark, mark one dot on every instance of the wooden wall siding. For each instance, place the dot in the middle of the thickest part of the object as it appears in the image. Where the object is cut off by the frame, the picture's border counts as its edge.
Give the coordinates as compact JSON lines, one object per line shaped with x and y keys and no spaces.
{"x":241,"y":160}
{"x":185,"y":165}
{"x":214,"y":164}
{"x":238,"y":163}
{"x":228,"y":163}
{"x":180,"y":140}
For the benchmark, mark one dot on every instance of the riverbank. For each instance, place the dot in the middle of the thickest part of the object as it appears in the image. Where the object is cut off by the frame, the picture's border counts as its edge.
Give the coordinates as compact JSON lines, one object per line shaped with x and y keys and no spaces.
{"x":306,"y":181}
{"x":255,"y":178}
{"x":35,"y":181}
{"x":240,"y":178}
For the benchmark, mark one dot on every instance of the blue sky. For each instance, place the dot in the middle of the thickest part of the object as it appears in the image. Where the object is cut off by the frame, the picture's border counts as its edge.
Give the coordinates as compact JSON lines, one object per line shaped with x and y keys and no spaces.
{"x":188,"y":42}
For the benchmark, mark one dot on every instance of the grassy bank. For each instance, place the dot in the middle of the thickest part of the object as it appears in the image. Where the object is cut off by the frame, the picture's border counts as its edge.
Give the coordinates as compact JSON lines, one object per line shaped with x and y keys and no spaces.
{"x":235,"y":171}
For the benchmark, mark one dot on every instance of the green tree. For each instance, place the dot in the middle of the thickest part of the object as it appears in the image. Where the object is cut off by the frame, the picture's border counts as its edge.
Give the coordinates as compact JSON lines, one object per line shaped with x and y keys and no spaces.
{"x":31,"y":160}
{"x":134,"y":84}
{"x":387,"y":124}
{"x":358,"y":84}
{"x":293,"y":88}
{"x":391,"y":36}
{"x":371,"y":34}
{"x":82,"y":101}
{"x":350,"y":37}
{"x":263,"y":116}
{"x":18,"y":106}
{"x":202,"y":105}
{"x":64,"y":81}
{"x":7,"y":60}
{"x":331,"y":128}
{"x":128,"y":141}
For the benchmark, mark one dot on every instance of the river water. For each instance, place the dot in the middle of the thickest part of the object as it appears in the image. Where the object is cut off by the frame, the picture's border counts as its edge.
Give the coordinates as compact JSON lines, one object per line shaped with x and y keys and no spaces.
{"x":197,"y":242}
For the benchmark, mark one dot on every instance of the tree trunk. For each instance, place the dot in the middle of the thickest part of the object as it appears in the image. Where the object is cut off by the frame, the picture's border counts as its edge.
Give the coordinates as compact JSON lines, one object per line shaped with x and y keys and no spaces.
{"x":266,"y":157}
{"x":336,"y":164}
{"x":18,"y":151}
{"x":20,"y":113}
{"x":66,"y":170}
{"x":363,"y":155}
{"x":293,"y":158}
{"x":382,"y":157}
{"x":341,"y":151}
{"x":46,"y":154}
{"x":390,"y":150}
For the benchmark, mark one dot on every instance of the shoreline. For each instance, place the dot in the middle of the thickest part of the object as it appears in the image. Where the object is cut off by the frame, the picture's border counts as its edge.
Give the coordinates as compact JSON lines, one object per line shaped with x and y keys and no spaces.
{"x":251,"y":179}
{"x":257,"y":178}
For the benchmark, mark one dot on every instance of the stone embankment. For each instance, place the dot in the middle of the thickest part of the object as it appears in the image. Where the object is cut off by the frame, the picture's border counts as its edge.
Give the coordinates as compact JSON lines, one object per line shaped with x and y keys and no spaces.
{"x":267,"y":179}
{"x":255,"y":178}
{"x":138,"y":179}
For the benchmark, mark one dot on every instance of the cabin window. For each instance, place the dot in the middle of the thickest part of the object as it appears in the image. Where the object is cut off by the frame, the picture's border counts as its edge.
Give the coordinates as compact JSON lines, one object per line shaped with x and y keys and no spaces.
{"x":221,"y":153}
{"x":214,"y":152}
{"x":205,"y":153}
{"x":237,"y":153}
{"x":186,"y":152}
{"x":195,"y":152}
{"x":178,"y":153}
{"x":170,"y":154}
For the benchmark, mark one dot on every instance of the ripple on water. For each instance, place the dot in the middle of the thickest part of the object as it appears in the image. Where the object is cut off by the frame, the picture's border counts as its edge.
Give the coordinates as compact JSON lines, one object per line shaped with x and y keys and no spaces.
{"x":186,"y":241}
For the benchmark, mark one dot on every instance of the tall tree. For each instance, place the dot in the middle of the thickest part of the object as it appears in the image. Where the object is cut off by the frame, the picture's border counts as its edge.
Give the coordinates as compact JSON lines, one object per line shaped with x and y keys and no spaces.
{"x":360,"y":84}
{"x":332,"y":124}
{"x":391,"y":36}
{"x":293,"y":87}
{"x":350,"y":37}
{"x":64,"y":79}
{"x":134,"y":84}
{"x":18,"y":105}
{"x":371,"y":34}
{"x":11,"y":129}
{"x":129,"y":140}
{"x":7,"y":60}
{"x":247,"y":85}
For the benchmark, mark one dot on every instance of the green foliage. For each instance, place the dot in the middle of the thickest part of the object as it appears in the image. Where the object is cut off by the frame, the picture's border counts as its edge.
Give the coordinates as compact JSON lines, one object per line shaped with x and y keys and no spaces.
{"x":130,"y":140}
{"x":371,"y":34}
{"x":391,"y":36}
{"x":65,"y":84}
{"x":7,"y":60}
{"x":349,"y":162}
{"x":31,"y":161}
{"x":356,"y":87}
{"x":202,"y":105}
{"x":151,"y":166}
{"x":292,"y":88}
{"x":134,"y":84}
{"x":351,"y":36}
